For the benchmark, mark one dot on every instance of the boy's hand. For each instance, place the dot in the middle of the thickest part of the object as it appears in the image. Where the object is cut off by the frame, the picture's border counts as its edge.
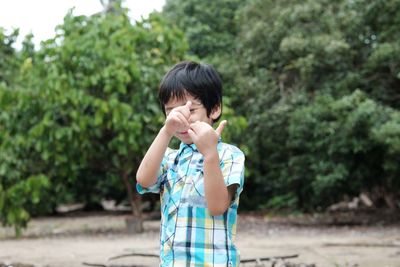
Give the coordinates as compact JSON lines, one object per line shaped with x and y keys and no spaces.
{"x":205,"y":137}
{"x":178,"y":119}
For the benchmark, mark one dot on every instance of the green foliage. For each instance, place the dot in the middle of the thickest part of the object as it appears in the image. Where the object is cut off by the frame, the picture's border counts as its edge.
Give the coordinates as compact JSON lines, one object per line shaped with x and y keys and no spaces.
{"x":9,"y":62}
{"x":303,"y":66}
{"x":209,"y":26}
{"x":15,"y":199}
{"x":332,"y":152}
{"x":318,"y":152}
{"x":388,"y":135}
{"x":84,"y":110}
{"x":327,"y":46}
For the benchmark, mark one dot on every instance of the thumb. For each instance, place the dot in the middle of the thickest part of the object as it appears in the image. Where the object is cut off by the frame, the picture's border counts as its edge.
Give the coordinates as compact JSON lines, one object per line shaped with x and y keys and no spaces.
{"x":188,"y":104}
{"x":221,"y":127}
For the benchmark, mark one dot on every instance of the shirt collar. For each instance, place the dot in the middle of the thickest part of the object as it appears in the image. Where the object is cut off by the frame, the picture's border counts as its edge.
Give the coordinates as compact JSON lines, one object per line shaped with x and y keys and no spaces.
{"x":184,"y":146}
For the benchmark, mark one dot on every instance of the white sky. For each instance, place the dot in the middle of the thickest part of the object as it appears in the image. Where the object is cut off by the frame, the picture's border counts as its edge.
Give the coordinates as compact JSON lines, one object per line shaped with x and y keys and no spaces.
{"x":40,"y":17}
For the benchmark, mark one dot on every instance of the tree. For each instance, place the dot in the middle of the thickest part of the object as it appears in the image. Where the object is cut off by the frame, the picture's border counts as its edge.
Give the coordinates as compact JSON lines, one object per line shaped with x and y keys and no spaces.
{"x":9,"y":63}
{"x":89,"y":108}
{"x":299,"y":61}
{"x":209,"y":26}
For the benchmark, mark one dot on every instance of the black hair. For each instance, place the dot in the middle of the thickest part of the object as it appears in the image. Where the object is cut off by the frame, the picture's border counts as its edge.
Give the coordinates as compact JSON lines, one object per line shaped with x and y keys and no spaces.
{"x":197,"y":79}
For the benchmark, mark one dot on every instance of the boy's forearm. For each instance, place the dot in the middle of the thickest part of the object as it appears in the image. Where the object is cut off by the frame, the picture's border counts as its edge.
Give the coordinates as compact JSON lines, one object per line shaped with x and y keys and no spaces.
{"x":216,"y":192}
{"x":146,"y":174}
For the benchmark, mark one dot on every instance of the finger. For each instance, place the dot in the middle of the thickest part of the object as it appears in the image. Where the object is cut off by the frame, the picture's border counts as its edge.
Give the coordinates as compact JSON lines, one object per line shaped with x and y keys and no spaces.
{"x":182,"y":119}
{"x":192,"y":135}
{"x":185,"y":110}
{"x":221,"y":127}
{"x":195,"y":126}
{"x":177,"y":117}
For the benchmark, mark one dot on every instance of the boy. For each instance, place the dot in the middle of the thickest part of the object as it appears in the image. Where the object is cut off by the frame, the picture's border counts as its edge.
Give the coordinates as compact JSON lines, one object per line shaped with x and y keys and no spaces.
{"x":199,"y":183}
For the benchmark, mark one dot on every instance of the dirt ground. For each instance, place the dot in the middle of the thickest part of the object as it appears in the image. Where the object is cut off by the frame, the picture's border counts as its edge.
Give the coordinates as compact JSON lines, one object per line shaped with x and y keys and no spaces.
{"x":95,"y":239}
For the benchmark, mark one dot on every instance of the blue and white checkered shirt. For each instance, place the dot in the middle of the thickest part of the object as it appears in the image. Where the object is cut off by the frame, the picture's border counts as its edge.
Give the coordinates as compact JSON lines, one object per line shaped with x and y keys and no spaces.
{"x":190,"y":236}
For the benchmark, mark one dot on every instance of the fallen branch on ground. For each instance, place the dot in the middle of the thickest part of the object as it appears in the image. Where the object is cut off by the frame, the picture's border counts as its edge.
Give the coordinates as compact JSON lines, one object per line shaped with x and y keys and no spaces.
{"x":269,"y":258}
{"x":134,"y":254}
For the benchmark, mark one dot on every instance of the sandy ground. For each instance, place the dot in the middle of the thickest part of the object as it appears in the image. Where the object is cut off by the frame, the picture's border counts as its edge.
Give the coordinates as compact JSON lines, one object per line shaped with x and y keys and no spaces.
{"x":69,"y":242}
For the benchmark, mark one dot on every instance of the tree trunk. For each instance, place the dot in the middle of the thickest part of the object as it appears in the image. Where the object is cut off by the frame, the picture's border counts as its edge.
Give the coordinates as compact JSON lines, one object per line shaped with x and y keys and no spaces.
{"x":134,"y":222}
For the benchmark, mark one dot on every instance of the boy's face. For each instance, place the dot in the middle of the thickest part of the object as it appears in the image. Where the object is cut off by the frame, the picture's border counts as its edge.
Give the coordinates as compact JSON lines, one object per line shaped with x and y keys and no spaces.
{"x":197,"y":113}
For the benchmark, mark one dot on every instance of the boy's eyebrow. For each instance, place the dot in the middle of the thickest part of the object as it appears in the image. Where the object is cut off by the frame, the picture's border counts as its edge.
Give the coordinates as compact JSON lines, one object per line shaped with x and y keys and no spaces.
{"x":195,"y":102}
{"x":169,"y":108}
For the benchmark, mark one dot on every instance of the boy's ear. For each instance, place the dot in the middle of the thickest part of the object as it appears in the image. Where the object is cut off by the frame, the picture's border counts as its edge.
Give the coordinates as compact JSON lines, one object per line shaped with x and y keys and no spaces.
{"x":216,"y":112}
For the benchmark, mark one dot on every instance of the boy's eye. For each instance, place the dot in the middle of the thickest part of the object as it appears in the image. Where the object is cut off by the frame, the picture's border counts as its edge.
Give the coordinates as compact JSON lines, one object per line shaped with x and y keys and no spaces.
{"x":192,"y":110}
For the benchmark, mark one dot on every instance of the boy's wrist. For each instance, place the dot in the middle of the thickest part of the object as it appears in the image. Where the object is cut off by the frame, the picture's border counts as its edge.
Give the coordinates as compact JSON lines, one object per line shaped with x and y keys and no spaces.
{"x":211,"y":156}
{"x":164,"y":131}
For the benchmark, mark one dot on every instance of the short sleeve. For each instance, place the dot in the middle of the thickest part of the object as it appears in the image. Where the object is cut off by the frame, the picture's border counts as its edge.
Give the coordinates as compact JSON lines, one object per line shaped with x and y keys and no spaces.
{"x":232,"y":167}
{"x":161,"y":176}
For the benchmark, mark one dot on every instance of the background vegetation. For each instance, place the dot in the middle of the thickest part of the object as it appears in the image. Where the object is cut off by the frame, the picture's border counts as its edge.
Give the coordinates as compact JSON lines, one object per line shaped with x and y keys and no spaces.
{"x":312,"y":95}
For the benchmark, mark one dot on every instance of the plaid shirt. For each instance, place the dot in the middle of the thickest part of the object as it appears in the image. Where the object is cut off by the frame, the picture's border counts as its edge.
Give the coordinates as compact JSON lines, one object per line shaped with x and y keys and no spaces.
{"x":190,"y":236}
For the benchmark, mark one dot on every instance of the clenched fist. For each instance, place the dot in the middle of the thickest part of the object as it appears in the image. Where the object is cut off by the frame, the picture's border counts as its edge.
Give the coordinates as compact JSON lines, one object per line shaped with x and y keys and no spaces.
{"x":177,"y":120}
{"x":205,"y":137}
